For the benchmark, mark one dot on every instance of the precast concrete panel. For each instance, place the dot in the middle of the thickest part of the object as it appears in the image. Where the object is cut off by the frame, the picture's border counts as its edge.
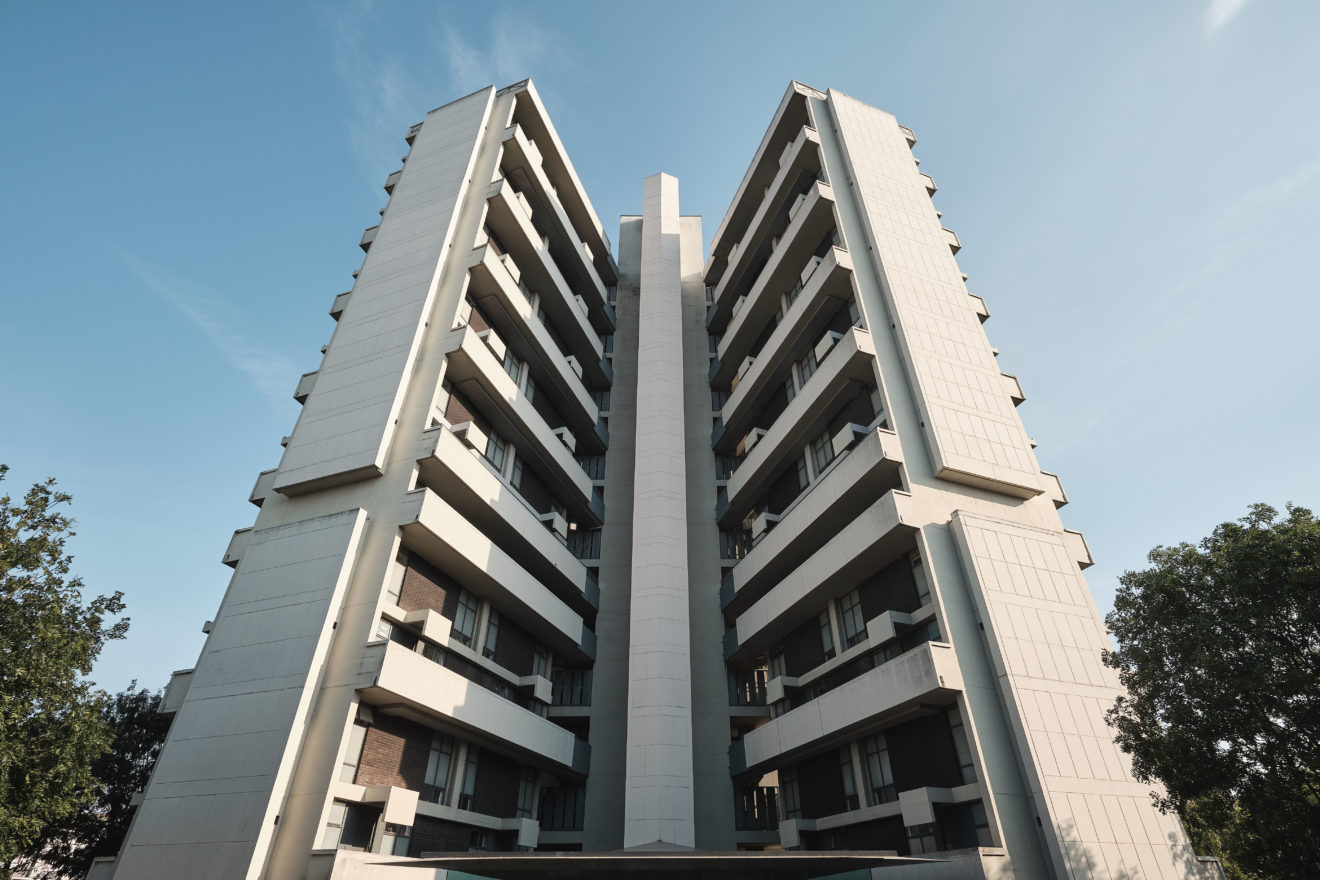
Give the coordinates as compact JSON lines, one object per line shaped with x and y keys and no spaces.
{"x":1045,"y":639}
{"x":970,"y":424}
{"x":345,"y":428}
{"x":210,"y":809}
{"x":658,"y":799}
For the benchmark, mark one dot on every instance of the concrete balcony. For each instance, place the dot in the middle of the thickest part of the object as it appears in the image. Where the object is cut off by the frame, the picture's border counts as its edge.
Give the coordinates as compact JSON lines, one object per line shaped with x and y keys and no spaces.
{"x":1077,"y":548}
{"x":929,"y":181}
{"x":979,"y":307}
{"x":791,"y":116}
{"x":465,"y":480}
{"x":951,"y":238}
{"x":571,"y":322}
{"x":1054,"y":488}
{"x":828,"y":288}
{"x":531,"y":177}
{"x":305,"y":386}
{"x":368,"y":237}
{"x":801,"y":156}
{"x":441,"y":534}
{"x":175,"y":692}
{"x":849,"y":365}
{"x":850,"y":484}
{"x":876,"y":537}
{"x":263,"y":487}
{"x":492,"y":287}
{"x":531,"y":117}
{"x":393,"y":181}
{"x":238,"y":545}
{"x":474,"y":371}
{"x":1013,"y":388}
{"x":925,"y":676}
{"x":812,"y":220}
{"x":507,"y":218}
{"x":414,"y":687}
{"x":339,"y":304}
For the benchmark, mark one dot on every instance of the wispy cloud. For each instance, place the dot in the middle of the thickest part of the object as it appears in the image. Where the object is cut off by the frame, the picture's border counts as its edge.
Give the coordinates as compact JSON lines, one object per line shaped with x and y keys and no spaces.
{"x":1270,"y":195}
{"x":1221,"y":12}
{"x":516,"y":49}
{"x":269,"y":371}
{"x":386,"y":96}
{"x":383,"y":99}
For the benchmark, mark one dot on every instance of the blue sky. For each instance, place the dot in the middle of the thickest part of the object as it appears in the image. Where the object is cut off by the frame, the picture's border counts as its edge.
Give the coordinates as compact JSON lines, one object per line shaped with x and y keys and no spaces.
{"x":1134,"y":185}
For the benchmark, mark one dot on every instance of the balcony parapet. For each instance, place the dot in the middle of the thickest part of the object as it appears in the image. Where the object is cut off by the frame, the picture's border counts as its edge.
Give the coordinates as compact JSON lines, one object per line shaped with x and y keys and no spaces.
{"x":492,"y":287}
{"x":464,"y":479}
{"x":442,"y":535}
{"x":405,"y":680}
{"x":339,"y":303}
{"x":518,"y":156}
{"x":849,"y":365}
{"x":175,"y":692}
{"x":874,"y":538}
{"x":1054,"y":488}
{"x":811,"y":221}
{"x":540,"y":132}
{"x":473,"y":369}
{"x":799,"y":156}
{"x":238,"y":545}
{"x":851,"y":483}
{"x":928,"y":674}
{"x":829,"y":285}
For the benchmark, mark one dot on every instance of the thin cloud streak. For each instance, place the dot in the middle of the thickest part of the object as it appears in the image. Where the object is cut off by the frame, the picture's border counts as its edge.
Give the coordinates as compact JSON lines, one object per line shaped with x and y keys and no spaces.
{"x":1221,"y":12}
{"x":267,"y":370}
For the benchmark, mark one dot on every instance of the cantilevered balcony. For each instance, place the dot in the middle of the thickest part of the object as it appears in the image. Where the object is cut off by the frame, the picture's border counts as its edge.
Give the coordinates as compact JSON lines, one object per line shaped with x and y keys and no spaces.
{"x":803,"y":328}
{"x":412,"y":686}
{"x":848,"y":366}
{"x":529,"y":115}
{"x":525,"y":166}
{"x":850,"y":484}
{"x":509,"y":218}
{"x":493,"y":289}
{"x":927,"y":675}
{"x":876,"y":537}
{"x":474,"y":371}
{"x":790,"y":117}
{"x":488,"y":266}
{"x":435,"y":529}
{"x":465,"y":480}
{"x":812,"y":219}
{"x":800,"y":159}
{"x":825,"y":290}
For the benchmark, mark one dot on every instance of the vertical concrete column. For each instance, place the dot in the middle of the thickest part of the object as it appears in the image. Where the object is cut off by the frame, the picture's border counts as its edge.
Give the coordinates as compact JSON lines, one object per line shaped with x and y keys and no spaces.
{"x":658,"y":804}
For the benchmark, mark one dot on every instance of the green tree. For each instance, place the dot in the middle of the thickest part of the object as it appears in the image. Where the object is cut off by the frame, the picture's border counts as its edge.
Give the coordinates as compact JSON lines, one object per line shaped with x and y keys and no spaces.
{"x":66,"y":849}
{"x":51,"y":724}
{"x":1219,"y":649}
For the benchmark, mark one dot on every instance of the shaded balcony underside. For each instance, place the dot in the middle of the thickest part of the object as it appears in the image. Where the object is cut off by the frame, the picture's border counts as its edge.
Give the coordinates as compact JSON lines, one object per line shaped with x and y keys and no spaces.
{"x":461,"y":477}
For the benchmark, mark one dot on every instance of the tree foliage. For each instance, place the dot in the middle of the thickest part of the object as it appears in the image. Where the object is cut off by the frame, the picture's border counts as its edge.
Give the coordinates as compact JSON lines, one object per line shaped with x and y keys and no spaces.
{"x":1219,"y":649}
{"x":51,"y":724}
{"x":66,"y":849}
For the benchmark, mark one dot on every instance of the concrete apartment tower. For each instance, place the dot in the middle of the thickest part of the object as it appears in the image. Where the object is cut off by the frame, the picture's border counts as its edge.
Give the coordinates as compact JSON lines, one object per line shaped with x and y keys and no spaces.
{"x":676,"y":559}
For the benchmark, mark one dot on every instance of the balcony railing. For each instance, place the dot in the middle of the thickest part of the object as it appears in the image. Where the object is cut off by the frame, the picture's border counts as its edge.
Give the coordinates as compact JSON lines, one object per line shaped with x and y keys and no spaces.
{"x":570,"y":687}
{"x":747,"y":687}
{"x":563,"y":808}
{"x":756,"y":808}
{"x":854,"y":668}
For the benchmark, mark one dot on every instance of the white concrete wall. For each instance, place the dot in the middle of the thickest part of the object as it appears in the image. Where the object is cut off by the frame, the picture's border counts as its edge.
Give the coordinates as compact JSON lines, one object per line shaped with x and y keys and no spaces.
{"x":973,"y":430}
{"x":1045,"y":638}
{"x":345,"y":428}
{"x":658,"y":805}
{"x":209,"y":811}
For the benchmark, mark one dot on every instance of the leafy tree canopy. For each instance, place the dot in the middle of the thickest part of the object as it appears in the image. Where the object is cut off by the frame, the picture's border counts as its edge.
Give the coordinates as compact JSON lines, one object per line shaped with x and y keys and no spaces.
{"x":66,"y":849}
{"x":51,"y":724}
{"x":1219,"y":649}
